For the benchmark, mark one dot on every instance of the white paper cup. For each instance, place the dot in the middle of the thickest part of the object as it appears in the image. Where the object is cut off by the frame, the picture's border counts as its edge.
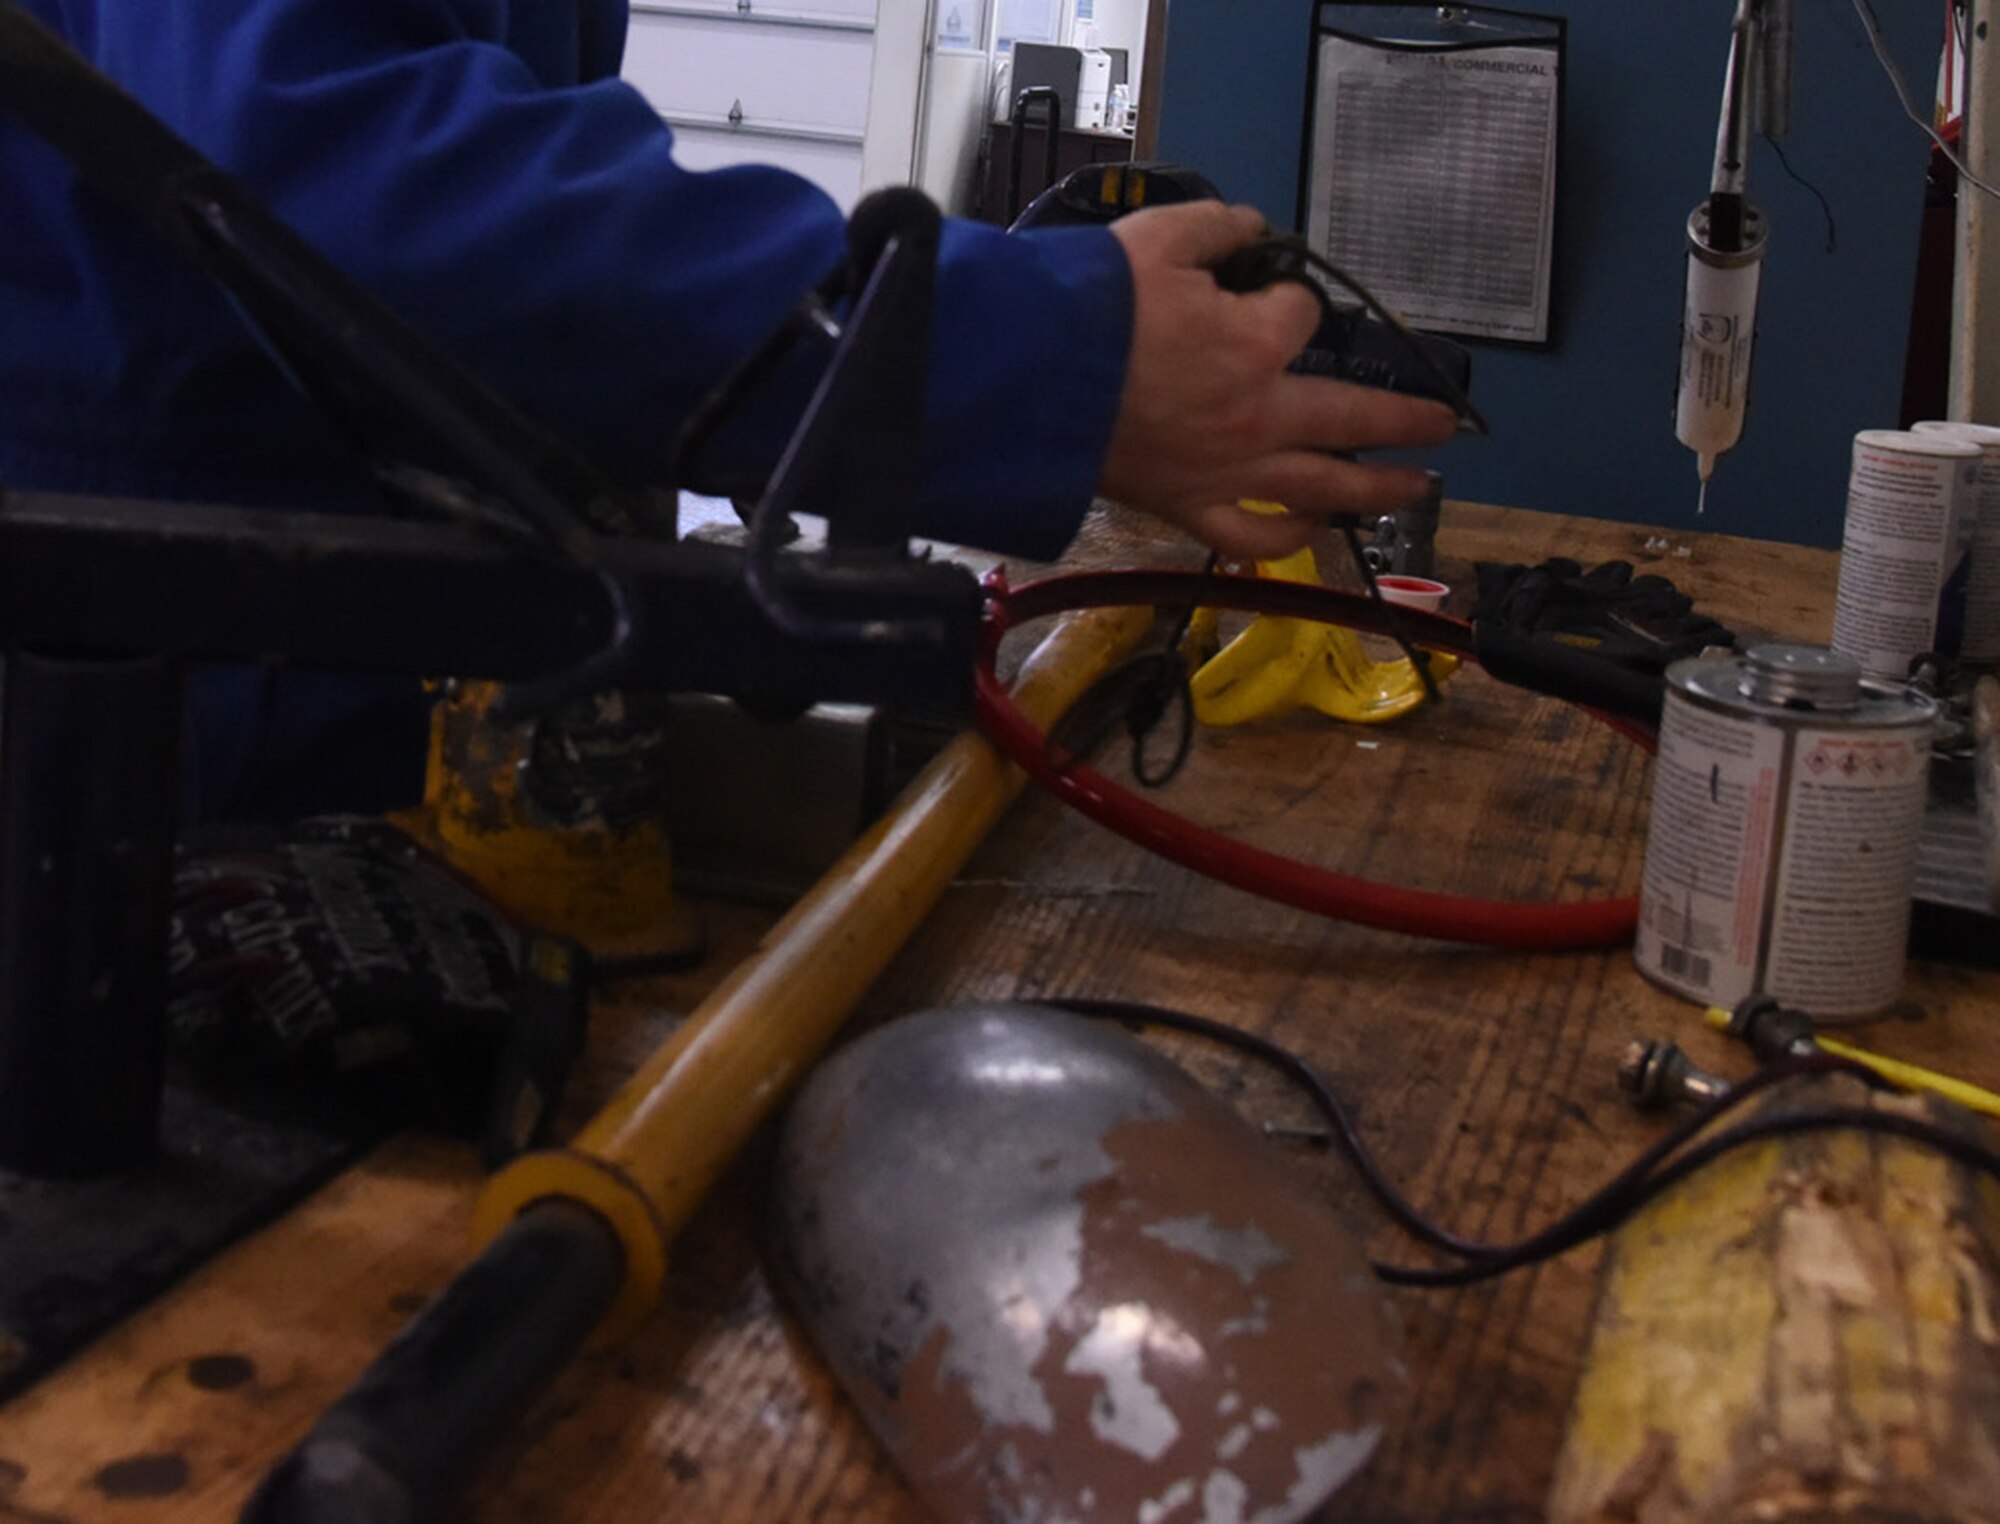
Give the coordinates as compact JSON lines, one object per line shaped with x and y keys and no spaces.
{"x":1416,"y":592}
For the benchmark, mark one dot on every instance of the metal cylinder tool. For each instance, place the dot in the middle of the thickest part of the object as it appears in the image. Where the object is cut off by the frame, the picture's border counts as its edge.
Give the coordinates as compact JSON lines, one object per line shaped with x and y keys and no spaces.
{"x":1726,"y":241}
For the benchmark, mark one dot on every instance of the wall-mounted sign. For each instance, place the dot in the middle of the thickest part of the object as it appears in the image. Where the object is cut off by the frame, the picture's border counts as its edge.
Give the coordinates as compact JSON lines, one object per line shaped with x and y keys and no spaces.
{"x":1430,"y":165}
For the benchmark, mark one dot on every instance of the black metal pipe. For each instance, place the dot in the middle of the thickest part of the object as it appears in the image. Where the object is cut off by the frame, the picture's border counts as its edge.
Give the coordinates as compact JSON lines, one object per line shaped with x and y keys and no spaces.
{"x":412,"y":1431}
{"x":89,"y":765}
{"x":359,"y":593}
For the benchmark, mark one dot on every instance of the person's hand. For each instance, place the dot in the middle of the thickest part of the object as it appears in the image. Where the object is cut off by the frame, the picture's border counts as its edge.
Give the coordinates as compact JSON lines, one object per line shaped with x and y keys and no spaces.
{"x":1210,"y":416}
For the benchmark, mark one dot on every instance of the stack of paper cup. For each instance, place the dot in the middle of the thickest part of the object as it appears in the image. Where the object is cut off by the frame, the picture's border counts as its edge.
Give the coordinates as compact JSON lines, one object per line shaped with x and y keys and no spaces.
{"x":1981,"y":647}
{"x":1905,"y":549}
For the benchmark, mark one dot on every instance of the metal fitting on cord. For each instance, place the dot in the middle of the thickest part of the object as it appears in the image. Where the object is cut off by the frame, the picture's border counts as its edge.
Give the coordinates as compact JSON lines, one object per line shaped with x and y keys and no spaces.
{"x":1771,"y":1031}
{"x":1659,"y":1074}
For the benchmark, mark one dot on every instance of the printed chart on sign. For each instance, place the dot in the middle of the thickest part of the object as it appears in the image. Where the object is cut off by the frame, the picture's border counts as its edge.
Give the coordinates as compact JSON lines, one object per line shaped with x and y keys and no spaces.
{"x":1432,"y":180}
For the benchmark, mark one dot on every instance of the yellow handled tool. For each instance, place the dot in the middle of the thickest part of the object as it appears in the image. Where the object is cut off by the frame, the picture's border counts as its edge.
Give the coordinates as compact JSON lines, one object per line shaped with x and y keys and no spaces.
{"x":648,"y":1158}
{"x":577,"y":1238}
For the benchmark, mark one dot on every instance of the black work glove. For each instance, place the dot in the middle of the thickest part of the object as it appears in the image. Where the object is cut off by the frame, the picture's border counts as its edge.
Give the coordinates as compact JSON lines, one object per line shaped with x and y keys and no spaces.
{"x":1640,"y":623}
{"x":332,"y":971}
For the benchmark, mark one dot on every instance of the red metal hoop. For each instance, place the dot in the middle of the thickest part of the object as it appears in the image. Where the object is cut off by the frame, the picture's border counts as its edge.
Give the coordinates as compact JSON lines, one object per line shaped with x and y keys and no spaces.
{"x":1531,"y":924}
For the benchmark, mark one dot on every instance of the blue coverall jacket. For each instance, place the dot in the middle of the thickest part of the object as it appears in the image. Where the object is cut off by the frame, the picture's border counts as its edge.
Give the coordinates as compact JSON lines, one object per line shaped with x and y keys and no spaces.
{"x":478,"y":165}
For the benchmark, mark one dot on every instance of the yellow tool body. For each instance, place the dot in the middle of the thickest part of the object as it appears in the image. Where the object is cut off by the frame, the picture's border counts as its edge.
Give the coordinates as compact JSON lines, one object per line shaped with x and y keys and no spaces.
{"x":1278,"y":665}
{"x":645,"y":1162}
{"x":608,"y":887}
{"x":1904,"y":1076}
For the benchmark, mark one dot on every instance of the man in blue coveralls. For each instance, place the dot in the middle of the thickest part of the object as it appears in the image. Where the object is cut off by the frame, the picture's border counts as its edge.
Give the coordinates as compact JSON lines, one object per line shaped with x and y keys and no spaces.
{"x":478,"y":165}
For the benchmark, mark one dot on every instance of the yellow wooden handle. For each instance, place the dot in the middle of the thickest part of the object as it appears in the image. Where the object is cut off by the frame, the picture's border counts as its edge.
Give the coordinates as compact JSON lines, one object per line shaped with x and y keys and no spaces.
{"x":646,"y":1160}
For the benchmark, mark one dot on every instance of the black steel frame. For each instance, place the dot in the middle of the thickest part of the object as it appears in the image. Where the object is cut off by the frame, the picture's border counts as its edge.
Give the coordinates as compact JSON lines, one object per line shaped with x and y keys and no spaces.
{"x":537,"y":568}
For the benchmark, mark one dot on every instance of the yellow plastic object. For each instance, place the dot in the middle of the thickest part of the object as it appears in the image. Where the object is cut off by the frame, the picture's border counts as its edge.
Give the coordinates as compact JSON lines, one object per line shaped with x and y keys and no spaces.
{"x":645,"y":1162}
{"x":1894,"y":1070}
{"x":1784,"y":1337}
{"x":608,"y":887}
{"x":1277,"y":665}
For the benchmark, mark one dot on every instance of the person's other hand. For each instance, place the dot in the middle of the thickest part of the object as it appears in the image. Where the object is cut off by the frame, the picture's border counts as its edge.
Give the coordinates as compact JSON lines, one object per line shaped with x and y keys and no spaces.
{"x":1210,"y":416}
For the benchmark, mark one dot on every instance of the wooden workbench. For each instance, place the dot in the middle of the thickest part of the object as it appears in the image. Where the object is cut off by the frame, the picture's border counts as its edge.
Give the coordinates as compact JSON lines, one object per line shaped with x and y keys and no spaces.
{"x":1485,"y":1080}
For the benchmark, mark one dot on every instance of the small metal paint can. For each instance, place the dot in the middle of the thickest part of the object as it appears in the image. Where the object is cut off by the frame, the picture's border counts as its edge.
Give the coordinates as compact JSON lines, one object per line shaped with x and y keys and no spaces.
{"x":1788,"y":798}
{"x":1905,"y":549}
{"x":1980,"y":648}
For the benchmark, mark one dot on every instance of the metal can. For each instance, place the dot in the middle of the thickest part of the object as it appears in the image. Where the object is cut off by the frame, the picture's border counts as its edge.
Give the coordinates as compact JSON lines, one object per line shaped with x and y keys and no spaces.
{"x":1788,"y":799}
{"x":1980,"y":649}
{"x":1905,"y":549}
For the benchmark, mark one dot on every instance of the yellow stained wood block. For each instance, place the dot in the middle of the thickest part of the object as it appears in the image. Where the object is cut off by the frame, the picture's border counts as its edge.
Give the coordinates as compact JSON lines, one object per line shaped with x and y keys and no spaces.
{"x":1804,"y":1331}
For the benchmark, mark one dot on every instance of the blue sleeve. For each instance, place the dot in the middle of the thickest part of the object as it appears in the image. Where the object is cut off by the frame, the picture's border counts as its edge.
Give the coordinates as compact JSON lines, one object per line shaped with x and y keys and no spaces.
{"x":543,"y":233}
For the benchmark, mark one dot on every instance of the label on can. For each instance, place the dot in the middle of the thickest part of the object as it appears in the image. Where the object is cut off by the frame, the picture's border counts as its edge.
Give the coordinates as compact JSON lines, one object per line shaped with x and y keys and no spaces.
{"x":1904,"y":554}
{"x":1781,"y":857}
{"x":1708,"y":850}
{"x":1853,"y":819}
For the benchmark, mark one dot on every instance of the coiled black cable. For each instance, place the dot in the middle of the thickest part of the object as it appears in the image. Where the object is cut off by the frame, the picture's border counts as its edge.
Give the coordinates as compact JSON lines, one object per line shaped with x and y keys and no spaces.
{"x":1690,"y":1146}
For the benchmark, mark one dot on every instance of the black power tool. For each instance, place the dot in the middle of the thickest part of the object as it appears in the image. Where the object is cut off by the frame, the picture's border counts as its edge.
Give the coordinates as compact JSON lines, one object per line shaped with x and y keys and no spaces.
{"x":1349,"y":345}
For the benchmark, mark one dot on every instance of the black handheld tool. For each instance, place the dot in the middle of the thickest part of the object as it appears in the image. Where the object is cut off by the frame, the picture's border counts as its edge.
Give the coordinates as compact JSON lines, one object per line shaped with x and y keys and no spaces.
{"x":1100,"y":193}
{"x":1266,"y":262}
{"x":1349,"y":344}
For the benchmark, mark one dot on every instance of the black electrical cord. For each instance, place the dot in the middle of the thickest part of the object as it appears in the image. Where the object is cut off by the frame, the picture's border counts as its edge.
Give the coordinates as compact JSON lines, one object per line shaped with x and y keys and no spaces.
{"x":1341,"y":1126}
{"x":1139,"y":690}
{"x":1143,"y":687}
{"x":1547,"y":1245}
{"x":1825,"y":206}
{"x":1672,"y":1158}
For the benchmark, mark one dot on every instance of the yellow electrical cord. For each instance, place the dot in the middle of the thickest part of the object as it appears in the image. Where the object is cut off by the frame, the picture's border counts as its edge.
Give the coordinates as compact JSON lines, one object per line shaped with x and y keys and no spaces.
{"x":1894,"y":1070}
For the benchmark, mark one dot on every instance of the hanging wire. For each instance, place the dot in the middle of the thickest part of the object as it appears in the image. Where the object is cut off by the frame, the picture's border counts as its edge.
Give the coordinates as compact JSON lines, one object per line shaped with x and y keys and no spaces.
{"x":1139,"y":691}
{"x":1825,"y":207}
{"x":1902,"y":87}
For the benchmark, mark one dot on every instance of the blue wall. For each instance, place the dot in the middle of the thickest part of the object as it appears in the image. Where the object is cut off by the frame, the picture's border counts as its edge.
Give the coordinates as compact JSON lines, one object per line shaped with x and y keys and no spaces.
{"x":1587,"y":426}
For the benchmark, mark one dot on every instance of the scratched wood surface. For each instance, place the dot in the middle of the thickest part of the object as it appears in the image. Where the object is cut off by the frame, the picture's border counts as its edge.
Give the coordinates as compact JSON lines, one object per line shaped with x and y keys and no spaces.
{"x":1484,"y":1079}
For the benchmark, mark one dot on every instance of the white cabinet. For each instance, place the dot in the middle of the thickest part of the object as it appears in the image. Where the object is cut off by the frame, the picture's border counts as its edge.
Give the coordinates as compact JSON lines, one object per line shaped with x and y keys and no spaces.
{"x":830,"y":89}
{"x":834,"y":167}
{"x":859,"y":13}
